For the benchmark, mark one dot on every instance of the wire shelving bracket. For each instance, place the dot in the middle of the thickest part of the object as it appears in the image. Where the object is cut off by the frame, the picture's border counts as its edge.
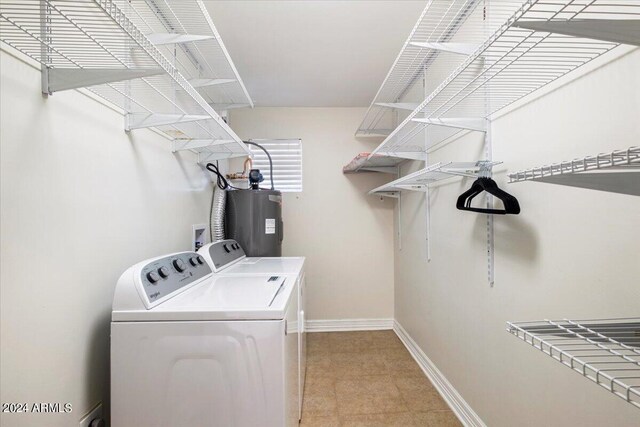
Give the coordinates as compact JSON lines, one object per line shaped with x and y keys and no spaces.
{"x":93,"y":44}
{"x":606,"y":351}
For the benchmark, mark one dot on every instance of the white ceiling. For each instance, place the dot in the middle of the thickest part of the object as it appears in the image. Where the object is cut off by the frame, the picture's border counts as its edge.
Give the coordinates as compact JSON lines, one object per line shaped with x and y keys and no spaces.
{"x":314,"y":53}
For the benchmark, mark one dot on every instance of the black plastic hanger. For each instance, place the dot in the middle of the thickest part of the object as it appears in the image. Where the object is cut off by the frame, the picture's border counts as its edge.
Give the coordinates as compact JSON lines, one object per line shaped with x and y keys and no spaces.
{"x":511,"y":205}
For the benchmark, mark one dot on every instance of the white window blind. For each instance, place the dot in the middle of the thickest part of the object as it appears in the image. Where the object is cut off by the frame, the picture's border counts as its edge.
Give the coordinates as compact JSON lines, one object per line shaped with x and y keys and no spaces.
{"x":287,"y":163}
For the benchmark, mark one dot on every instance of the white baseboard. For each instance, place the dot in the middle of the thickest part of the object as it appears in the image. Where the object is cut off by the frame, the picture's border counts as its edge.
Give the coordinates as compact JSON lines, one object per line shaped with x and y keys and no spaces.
{"x":342,"y":325}
{"x":458,"y":405}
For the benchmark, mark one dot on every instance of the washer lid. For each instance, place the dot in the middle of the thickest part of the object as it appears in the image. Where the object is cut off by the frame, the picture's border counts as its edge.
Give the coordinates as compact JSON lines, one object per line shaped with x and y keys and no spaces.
{"x":263,"y":297}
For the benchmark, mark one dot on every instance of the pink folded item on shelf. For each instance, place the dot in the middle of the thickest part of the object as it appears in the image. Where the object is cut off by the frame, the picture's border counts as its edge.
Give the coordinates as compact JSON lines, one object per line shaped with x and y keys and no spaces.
{"x":357,"y":162}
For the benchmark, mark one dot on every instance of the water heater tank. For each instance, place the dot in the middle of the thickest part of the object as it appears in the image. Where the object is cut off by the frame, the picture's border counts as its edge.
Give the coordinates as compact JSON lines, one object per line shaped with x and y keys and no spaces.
{"x":253,"y":218}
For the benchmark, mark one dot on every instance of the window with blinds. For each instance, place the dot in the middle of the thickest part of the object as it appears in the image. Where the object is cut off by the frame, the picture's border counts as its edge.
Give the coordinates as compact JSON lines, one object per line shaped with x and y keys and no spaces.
{"x":287,"y":163}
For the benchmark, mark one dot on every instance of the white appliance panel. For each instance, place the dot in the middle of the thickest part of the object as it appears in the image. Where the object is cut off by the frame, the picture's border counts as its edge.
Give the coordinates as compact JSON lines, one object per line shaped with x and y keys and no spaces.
{"x":236,"y":264}
{"x":291,"y":365}
{"x":267,"y":265}
{"x":302,"y":341}
{"x":220,"y":298}
{"x":232,"y":293}
{"x":201,"y":373}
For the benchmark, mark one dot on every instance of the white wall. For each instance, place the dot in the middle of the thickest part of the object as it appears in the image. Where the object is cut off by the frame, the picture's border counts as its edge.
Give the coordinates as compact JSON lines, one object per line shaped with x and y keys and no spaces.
{"x":346,"y":235}
{"x":81,"y":201}
{"x":570,"y":253}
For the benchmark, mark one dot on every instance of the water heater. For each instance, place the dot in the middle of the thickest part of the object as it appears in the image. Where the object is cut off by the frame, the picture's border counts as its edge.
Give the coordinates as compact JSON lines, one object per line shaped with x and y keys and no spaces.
{"x":253,"y":218}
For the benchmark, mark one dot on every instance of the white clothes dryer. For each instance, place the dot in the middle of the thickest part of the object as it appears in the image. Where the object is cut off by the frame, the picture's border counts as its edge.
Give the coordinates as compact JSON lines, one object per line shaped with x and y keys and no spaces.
{"x":189,"y":347}
{"x":241,"y":265}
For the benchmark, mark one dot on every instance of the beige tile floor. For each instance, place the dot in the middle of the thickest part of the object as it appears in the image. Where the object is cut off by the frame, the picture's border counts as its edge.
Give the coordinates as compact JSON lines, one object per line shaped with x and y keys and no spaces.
{"x":368,"y":379}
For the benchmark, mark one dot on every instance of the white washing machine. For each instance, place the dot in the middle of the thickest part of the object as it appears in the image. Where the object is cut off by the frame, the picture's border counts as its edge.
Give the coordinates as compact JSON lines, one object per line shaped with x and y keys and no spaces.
{"x":241,"y":265}
{"x":192,"y":348}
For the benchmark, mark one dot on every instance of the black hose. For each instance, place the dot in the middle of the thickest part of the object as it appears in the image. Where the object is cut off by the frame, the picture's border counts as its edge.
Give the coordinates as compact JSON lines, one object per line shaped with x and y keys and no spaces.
{"x":268,"y":156}
{"x":221,"y":181}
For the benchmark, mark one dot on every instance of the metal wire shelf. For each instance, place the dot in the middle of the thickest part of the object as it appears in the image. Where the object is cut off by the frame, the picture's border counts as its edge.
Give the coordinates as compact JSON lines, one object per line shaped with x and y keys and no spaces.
{"x":616,"y":160}
{"x":541,"y":42}
{"x":362,"y":163}
{"x":184,"y":32}
{"x":606,"y":351}
{"x":93,"y":44}
{"x":418,"y":181}
{"x":445,"y":34}
{"x":613,"y":172}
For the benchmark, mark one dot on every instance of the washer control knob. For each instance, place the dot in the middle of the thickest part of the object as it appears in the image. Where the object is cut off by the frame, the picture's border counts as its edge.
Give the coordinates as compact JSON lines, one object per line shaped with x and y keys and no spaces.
{"x":163,"y":272}
{"x":226,"y":248}
{"x":152,"y":277}
{"x":193,"y":261}
{"x":199,"y":259}
{"x":178,"y":264}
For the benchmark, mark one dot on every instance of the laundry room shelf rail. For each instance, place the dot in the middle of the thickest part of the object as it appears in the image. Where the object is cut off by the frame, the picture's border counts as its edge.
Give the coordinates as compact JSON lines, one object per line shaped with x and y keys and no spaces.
{"x":606,"y":351}
{"x":93,"y":44}
{"x":617,"y":172}
{"x":418,"y":181}
{"x":541,"y":42}
{"x":446,"y":33}
{"x":620,"y":160}
{"x":184,"y":32}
